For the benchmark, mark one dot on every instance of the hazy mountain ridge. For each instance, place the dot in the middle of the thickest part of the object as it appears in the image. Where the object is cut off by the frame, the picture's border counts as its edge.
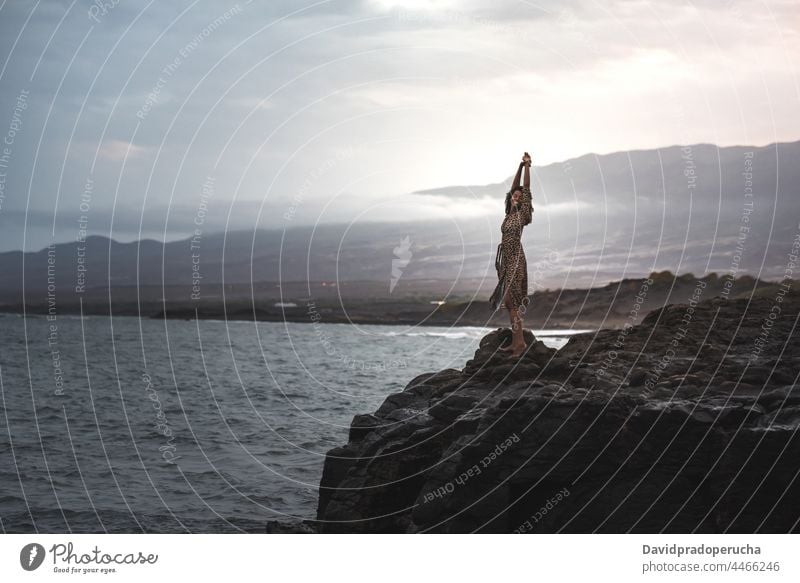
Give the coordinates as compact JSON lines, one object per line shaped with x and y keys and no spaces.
{"x":598,"y":218}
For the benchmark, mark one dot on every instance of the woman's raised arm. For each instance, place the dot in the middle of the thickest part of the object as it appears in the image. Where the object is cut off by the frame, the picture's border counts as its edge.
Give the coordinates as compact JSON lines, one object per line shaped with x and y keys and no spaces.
{"x":517,"y":177}
{"x":527,"y":203}
{"x":526,"y":161}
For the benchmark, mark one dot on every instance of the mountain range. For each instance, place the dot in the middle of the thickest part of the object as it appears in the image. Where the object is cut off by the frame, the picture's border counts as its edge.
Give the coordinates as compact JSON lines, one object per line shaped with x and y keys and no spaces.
{"x":597,"y":218}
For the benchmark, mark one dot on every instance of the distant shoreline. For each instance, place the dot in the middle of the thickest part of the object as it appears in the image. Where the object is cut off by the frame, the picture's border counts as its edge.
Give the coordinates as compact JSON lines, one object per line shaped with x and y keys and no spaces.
{"x":186,"y":314}
{"x":611,"y":306}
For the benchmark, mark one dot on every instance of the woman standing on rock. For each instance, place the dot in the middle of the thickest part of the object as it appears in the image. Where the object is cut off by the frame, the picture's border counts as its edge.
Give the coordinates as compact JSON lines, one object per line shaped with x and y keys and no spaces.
{"x":512,"y":268}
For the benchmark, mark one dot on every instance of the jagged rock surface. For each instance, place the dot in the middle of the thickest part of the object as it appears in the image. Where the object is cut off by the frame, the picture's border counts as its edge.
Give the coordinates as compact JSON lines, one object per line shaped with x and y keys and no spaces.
{"x":682,"y":423}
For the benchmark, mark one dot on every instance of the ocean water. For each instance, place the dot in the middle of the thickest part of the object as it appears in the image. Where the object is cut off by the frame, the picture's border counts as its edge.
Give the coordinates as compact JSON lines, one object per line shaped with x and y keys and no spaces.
{"x":141,"y":425}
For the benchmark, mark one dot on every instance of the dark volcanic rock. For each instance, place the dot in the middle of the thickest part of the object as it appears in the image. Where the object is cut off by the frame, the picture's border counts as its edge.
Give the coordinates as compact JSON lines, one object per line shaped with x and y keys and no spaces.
{"x":291,"y":527}
{"x":685,"y":422}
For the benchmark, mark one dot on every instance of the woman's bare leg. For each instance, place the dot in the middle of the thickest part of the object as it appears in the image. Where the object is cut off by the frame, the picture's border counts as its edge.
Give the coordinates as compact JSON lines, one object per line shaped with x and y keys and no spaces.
{"x":512,"y":315}
{"x":517,"y":344}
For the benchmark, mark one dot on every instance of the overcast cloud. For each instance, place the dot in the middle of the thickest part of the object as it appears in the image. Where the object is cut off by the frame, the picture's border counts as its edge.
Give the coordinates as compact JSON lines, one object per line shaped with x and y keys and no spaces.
{"x":306,"y":112}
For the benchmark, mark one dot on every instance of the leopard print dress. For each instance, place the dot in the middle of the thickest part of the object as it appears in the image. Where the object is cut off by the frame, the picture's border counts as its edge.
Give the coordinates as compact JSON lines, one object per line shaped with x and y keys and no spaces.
{"x":510,"y":263}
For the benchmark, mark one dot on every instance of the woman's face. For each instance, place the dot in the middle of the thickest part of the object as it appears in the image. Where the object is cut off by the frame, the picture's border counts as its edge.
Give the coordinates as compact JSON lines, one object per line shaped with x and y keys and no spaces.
{"x":516,"y":196}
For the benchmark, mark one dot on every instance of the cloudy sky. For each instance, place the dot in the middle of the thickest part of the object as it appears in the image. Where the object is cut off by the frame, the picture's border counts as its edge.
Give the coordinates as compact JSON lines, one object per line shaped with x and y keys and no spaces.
{"x":153,"y":119}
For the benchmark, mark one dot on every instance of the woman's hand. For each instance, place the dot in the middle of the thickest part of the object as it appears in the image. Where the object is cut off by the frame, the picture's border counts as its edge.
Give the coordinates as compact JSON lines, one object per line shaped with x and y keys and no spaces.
{"x":526,"y":159}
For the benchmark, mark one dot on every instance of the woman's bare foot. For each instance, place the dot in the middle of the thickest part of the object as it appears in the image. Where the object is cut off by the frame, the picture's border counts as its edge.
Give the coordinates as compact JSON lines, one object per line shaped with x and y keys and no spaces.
{"x":518,"y":351}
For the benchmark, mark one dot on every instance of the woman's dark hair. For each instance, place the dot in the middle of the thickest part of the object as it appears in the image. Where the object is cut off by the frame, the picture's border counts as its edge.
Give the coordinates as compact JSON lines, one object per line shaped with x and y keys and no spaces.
{"x":527,"y":218}
{"x":509,"y":194}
